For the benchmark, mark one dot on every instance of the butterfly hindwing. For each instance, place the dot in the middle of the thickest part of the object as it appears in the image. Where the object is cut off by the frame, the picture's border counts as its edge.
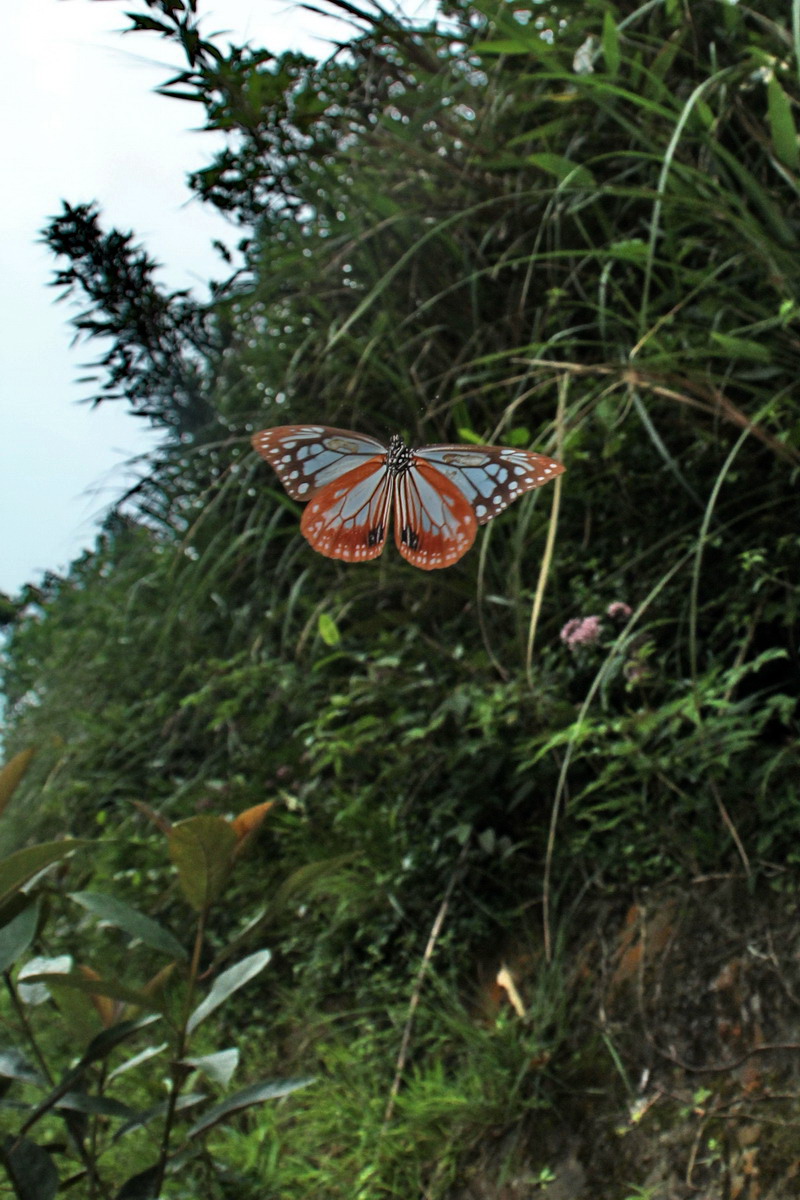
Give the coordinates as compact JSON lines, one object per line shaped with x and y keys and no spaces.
{"x":349,"y":517}
{"x":434,"y":524}
{"x":491,"y":477}
{"x":308,"y":457}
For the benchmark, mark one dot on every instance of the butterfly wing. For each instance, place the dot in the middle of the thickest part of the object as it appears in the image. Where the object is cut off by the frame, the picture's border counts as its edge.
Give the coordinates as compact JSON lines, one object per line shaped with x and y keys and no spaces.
{"x":491,"y":477}
{"x":434,"y":524}
{"x":308,"y":457}
{"x":439,"y":500}
{"x":349,"y":517}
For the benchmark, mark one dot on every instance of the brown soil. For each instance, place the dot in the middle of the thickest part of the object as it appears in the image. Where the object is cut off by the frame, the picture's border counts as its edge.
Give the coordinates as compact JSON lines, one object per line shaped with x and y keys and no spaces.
{"x":689,"y":1084}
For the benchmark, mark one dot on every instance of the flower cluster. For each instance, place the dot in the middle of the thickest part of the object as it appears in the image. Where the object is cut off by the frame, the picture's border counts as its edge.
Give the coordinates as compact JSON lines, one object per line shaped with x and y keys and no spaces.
{"x":581,"y":631}
{"x":585,"y":631}
{"x":618,"y":610}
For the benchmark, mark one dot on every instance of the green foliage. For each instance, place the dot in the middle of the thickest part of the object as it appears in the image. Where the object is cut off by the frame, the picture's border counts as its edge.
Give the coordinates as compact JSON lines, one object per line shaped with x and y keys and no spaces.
{"x":60,"y":1069}
{"x":448,"y":230}
{"x":470,"y":1072}
{"x":159,"y":341}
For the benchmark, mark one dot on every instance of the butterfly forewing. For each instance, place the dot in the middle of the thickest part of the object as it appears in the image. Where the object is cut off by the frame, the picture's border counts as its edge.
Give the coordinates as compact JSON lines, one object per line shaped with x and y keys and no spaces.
{"x":434,"y":524}
{"x":308,"y":457}
{"x":491,"y":477}
{"x":349,"y":517}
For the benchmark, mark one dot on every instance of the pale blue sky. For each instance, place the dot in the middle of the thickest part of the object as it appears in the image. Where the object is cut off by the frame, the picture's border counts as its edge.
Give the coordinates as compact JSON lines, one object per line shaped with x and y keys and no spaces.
{"x":86,"y":126}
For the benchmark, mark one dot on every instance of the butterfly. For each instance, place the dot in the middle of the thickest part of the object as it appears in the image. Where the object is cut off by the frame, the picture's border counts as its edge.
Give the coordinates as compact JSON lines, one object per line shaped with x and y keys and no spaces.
{"x":439,"y":494}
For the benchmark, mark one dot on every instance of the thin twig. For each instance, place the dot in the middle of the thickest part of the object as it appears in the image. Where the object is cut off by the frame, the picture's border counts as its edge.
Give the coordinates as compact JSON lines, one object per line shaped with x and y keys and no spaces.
{"x":685,"y":391}
{"x":723,"y":1068}
{"x":727,"y":821}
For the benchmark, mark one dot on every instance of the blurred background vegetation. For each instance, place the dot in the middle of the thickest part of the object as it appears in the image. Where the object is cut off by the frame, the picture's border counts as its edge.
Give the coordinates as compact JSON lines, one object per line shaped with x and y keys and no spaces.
{"x":569,"y":226}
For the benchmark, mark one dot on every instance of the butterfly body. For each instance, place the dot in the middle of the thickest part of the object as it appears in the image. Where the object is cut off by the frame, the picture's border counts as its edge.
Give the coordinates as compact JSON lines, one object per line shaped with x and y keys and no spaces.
{"x":438,"y":494}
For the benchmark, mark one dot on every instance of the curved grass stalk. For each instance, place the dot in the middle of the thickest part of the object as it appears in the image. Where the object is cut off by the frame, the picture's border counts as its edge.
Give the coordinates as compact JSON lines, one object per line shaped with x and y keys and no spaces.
{"x":655,"y":221}
{"x":383,"y":283}
{"x":702,"y":539}
{"x":547,"y":557}
{"x":667,"y":458}
{"x":693,"y":606}
{"x":696,"y":555}
{"x":597,"y":682}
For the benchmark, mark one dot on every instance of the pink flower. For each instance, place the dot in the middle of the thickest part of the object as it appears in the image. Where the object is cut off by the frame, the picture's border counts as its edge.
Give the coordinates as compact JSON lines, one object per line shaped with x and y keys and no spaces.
{"x":581,"y":631}
{"x":618,"y":610}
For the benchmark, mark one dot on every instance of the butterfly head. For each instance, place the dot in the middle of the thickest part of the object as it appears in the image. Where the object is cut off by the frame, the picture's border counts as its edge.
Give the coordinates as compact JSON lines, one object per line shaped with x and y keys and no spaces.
{"x":399,"y":458}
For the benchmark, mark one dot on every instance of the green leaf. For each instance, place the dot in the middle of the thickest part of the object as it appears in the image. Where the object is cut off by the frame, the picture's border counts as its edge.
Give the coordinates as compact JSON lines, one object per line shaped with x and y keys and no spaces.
{"x":37,"y":993}
{"x":202,"y":850}
{"x":487,"y":840}
{"x":257,"y":1093}
{"x":738,"y":347}
{"x":133,"y":922}
{"x":229,"y":982}
{"x":93,"y":987}
{"x":761,"y":196}
{"x":12,"y":773}
{"x":148,"y":23}
{"x":30,"y":1168}
{"x":611,"y":52}
{"x":81,"y":1020}
{"x":469,"y":435}
{"x":101,"y":1046}
{"x":563,"y":169}
{"x":16,"y":870}
{"x":158,"y":1111}
{"x":14,"y":1066}
{"x":218,"y":1067}
{"x":781,"y":124}
{"x":629,"y":249}
{"x":141,"y":1186}
{"x":705,"y":113}
{"x":137,"y":1059}
{"x":17,"y":935}
{"x":308,"y":881}
{"x":520,"y":435}
{"x":101,"y":1106}
{"x":557,"y":129}
{"x":328,"y":630}
{"x":512,"y":46}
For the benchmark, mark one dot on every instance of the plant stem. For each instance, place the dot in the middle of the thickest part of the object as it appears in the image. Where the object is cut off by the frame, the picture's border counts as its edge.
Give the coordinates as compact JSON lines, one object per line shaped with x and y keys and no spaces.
{"x":179,"y":1072}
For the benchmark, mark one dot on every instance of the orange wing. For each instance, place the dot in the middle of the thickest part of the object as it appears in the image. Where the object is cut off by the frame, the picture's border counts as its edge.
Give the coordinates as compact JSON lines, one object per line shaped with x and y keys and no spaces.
{"x":349,"y":517}
{"x":434,"y":524}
